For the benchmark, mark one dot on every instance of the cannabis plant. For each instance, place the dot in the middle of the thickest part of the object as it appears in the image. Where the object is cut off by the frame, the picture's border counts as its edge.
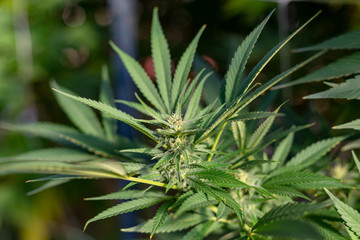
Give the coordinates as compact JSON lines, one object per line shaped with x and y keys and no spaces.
{"x":348,"y":89}
{"x":203,"y":167}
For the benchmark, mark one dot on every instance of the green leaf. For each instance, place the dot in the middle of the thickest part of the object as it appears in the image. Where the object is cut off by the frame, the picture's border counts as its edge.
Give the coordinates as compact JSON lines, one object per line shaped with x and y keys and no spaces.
{"x":254,"y":116}
{"x":289,"y":229}
{"x":213,"y":85}
{"x":113,"y":112}
{"x":150,"y":151}
{"x":67,"y":135}
{"x":196,"y":201}
{"x":350,"y":216}
{"x":187,"y":90}
{"x":51,"y":154}
{"x":327,"y":231}
{"x":223,"y":211}
{"x":181,"y":199}
{"x":219,"y":194}
{"x":288,"y":211}
{"x":183,"y":69}
{"x":345,"y":41}
{"x":199,"y":232}
{"x":107,"y":97}
{"x":302,"y":180}
{"x":171,"y":224}
{"x":282,"y":151}
{"x":161,"y":58}
{"x":242,"y":103}
{"x":125,"y":207}
{"x":79,"y":114}
{"x":357,"y":162}
{"x":239,"y":132}
{"x":47,"y":185}
{"x":314,"y":151}
{"x":350,"y":125}
{"x":237,"y":67}
{"x":164,"y":159}
{"x":219,"y":178}
{"x":261,"y":131}
{"x":280,"y":154}
{"x":351,"y":145}
{"x":287,"y":191}
{"x":266,"y":59}
{"x":141,"y":79}
{"x":342,"y":67}
{"x":309,"y":155}
{"x":56,"y":168}
{"x":195,"y":100}
{"x":128,"y":194}
{"x":349,"y":89}
{"x":51,"y":131}
{"x":160,"y":217}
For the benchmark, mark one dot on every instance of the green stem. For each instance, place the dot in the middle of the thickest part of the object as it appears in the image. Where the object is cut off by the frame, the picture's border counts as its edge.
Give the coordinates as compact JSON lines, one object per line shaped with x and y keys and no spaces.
{"x":216,"y":141}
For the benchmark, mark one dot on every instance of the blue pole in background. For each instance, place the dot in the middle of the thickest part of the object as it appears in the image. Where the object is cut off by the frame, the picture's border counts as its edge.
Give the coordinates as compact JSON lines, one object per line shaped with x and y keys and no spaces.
{"x":123,"y":32}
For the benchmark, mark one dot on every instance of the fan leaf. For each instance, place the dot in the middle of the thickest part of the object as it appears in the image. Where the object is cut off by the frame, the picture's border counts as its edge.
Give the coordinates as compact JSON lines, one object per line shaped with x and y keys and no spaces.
{"x":125,"y":207}
{"x":161,"y":58}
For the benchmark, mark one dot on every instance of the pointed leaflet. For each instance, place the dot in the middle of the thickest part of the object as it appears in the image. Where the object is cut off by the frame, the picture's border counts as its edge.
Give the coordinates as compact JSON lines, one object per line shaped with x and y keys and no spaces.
{"x":264,"y":61}
{"x":47,"y":167}
{"x":239,"y":132}
{"x":187,"y":90}
{"x":51,"y":154}
{"x":349,"y":40}
{"x":237,"y":66}
{"x":349,"y":89}
{"x":351,"y":145}
{"x":288,"y":229}
{"x":195,"y":99}
{"x":141,"y":79}
{"x":47,"y":185}
{"x":309,"y":155}
{"x":160,"y":217}
{"x":240,"y":103}
{"x":107,"y":97}
{"x":183,"y":69}
{"x":254,"y":115}
{"x":125,"y":207}
{"x":302,"y":180}
{"x":261,"y":131}
{"x":282,"y":151}
{"x":219,"y":178}
{"x":47,"y":130}
{"x":196,"y":201}
{"x":219,"y":194}
{"x":128,"y":194}
{"x":314,"y":151}
{"x":357,"y":162}
{"x":326,"y":230}
{"x":113,"y":112}
{"x":171,"y":224}
{"x":199,"y":232}
{"x":350,"y":125}
{"x":342,"y":67}
{"x":213,"y":85}
{"x":161,"y":58}
{"x":350,"y":216}
{"x":223,"y":211}
{"x":288,"y":211}
{"x":287,"y":191}
{"x":80,"y":115}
